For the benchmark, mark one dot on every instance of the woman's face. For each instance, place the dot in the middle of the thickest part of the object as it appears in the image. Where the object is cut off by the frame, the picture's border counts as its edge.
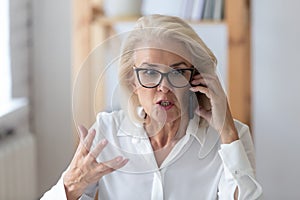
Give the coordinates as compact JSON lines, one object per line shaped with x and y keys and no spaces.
{"x":165,"y":102}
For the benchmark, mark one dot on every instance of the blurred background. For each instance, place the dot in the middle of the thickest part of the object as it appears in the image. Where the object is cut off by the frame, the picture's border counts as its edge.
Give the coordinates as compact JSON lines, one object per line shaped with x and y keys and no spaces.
{"x":45,"y":44}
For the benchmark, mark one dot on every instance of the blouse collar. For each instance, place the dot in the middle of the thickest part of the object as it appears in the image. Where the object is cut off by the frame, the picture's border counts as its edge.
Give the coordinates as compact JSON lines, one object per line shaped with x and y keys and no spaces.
{"x":205,"y":135}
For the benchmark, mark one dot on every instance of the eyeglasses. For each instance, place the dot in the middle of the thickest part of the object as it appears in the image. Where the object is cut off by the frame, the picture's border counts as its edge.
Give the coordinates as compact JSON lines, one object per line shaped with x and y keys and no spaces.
{"x":151,"y":78}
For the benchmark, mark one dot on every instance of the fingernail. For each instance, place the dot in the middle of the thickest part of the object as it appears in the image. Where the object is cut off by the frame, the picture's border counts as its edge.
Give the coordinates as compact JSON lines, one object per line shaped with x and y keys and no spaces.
{"x":119,"y":158}
{"x":104,"y":142}
{"x":79,"y":127}
{"x":192,"y":89}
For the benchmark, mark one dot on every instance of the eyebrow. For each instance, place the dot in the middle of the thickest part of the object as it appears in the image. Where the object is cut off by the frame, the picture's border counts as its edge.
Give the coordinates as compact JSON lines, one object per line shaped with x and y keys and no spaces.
{"x":177,"y":64}
{"x":149,"y":64}
{"x":173,"y":65}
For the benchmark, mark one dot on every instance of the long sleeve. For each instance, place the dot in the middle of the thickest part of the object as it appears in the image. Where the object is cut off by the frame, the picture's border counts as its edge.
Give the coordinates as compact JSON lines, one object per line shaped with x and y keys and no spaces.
{"x":57,"y":191}
{"x":239,"y":164}
{"x":90,"y":192}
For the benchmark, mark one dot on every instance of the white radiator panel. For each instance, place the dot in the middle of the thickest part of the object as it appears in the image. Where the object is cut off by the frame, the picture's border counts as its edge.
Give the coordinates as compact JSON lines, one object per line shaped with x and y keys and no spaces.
{"x":18,"y":168}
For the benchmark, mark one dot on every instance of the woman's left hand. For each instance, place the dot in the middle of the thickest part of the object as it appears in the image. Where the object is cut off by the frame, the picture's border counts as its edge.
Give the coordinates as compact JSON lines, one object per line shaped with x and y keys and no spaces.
{"x":219,"y":116}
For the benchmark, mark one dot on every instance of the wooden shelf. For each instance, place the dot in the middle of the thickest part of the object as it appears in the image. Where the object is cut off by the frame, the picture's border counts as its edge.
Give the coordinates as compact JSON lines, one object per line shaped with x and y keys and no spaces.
{"x":107,"y":21}
{"x":237,"y":15}
{"x":237,"y":21}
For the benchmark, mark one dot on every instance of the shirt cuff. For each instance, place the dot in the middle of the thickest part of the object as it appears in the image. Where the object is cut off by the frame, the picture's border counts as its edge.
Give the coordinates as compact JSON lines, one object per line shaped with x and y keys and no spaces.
{"x":57,"y":191}
{"x":85,"y":197}
{"x":235,"y":160}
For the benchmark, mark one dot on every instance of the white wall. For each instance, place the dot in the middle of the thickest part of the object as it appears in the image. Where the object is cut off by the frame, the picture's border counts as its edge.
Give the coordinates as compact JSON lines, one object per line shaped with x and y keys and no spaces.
{"x":276,"y":96}
{"x":51,"y":88}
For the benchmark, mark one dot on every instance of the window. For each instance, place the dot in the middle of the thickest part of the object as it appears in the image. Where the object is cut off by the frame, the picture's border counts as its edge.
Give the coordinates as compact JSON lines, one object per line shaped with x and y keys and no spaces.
{"x":5,"y":76}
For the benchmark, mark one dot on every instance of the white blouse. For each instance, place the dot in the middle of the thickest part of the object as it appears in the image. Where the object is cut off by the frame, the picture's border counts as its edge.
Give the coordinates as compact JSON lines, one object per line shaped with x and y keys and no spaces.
{"x":198,"y":167}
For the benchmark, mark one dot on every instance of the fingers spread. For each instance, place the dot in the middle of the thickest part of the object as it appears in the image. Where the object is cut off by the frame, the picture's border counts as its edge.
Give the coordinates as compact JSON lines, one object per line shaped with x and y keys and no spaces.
{"x":87,"y":143}
{"x":81,"y":149}
{"x":98,"y":149}
{"x":112,"y":165}
{"x":82,"y":132}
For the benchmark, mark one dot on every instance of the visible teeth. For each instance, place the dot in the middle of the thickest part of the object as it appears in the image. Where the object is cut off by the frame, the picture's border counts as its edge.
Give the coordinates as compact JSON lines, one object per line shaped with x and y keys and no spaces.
{"x":165,"y":103}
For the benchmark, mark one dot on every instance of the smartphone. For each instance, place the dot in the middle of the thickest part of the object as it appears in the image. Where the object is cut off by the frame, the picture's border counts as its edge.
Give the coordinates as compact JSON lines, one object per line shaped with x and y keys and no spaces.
{"x":194,"y":98}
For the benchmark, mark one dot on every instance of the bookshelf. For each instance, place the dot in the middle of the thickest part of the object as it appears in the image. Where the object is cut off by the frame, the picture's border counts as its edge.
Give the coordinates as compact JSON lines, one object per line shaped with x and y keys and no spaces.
{"x":237,"y":18}
{"x":92,"y":27}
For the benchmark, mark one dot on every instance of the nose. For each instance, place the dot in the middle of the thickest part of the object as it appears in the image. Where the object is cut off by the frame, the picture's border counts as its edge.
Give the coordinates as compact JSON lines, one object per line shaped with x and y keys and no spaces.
{"x":164,"y":86}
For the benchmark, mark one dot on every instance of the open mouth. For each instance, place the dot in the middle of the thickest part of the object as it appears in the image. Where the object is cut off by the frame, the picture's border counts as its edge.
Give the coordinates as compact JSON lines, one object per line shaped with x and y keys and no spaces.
{"x":165,"y":104}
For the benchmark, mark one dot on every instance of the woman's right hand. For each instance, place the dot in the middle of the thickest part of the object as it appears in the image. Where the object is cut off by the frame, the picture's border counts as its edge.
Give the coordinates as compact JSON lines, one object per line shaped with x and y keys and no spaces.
{"x":84,"y":168}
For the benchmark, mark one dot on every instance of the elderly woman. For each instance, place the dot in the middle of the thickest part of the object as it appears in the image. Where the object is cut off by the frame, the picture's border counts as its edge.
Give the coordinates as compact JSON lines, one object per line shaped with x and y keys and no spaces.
{"x":175,"y":137}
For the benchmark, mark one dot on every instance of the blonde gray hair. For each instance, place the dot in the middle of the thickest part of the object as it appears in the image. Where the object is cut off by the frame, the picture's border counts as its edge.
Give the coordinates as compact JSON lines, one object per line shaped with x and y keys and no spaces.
{"x":152,"y":31}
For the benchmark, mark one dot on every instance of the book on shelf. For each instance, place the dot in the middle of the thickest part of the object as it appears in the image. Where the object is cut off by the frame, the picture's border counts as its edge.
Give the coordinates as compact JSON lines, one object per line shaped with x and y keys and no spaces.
{"x":208,"y":10}
{"x":165,"y":7}
{"x":187,"y":7}
{"x":218,"y":10}
{"x":197,"y":10}
{"x":194,"y":10}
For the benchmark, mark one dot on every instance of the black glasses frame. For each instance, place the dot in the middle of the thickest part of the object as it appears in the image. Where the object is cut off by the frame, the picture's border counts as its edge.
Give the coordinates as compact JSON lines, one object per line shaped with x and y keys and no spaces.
{"x":192,"y":70}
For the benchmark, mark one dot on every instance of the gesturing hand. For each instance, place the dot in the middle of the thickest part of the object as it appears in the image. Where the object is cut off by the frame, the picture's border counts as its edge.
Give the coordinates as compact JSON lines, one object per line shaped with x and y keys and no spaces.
{"x":84,"y":168}
{"x":219,"y":116}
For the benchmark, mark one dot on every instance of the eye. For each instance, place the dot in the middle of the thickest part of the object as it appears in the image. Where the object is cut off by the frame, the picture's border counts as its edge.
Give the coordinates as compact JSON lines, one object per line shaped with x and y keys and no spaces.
{"x":178,"y":72}
{"x":150,"y":72}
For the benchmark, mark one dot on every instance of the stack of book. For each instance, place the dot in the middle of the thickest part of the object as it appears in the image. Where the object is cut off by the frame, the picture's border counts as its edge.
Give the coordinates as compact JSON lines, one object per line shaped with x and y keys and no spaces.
{"x":193,"y":10}
{"x":196,"y":10}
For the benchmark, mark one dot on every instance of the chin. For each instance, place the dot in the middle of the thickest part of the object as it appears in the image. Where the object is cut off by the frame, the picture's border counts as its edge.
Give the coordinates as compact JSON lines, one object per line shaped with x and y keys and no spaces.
{"x":167,"y":116}
{"x":172,"y":117}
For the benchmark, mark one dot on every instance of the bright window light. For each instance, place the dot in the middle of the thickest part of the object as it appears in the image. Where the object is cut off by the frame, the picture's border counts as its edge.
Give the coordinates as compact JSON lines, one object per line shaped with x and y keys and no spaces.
{"x":5,"y":73}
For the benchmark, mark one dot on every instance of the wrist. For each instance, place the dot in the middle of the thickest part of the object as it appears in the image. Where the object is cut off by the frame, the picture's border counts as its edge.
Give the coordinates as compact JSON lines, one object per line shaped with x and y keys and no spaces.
{"x":73,"y":187}
{"x":228,"y":136}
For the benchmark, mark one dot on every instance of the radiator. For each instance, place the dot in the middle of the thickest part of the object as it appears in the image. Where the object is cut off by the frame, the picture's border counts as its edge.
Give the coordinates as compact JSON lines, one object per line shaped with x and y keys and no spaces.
{"x":18,"y":179}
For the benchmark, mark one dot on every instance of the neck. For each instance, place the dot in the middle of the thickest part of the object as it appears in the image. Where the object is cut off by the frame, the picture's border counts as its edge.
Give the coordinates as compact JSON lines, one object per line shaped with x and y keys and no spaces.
{"x":167,"y":134}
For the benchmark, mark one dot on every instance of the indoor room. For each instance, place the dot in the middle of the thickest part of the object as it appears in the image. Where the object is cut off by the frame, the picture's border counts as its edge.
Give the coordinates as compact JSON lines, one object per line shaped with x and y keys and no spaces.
{"x":61,"y":65}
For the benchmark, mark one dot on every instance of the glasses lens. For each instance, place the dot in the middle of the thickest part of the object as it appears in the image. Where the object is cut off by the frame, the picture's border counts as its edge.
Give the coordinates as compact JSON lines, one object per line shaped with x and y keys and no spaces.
{"x":149,"y":77}
{"x":179,"y":77}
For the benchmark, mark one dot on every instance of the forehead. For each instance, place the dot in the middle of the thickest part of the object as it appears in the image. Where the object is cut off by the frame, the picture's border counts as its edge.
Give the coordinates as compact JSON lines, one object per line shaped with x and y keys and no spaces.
{"x":157,"y":56}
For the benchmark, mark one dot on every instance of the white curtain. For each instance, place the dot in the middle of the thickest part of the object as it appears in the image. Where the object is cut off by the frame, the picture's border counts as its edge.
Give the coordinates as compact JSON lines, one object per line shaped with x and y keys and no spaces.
{"x":19,"y":13}
{"x":5,"y":76}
